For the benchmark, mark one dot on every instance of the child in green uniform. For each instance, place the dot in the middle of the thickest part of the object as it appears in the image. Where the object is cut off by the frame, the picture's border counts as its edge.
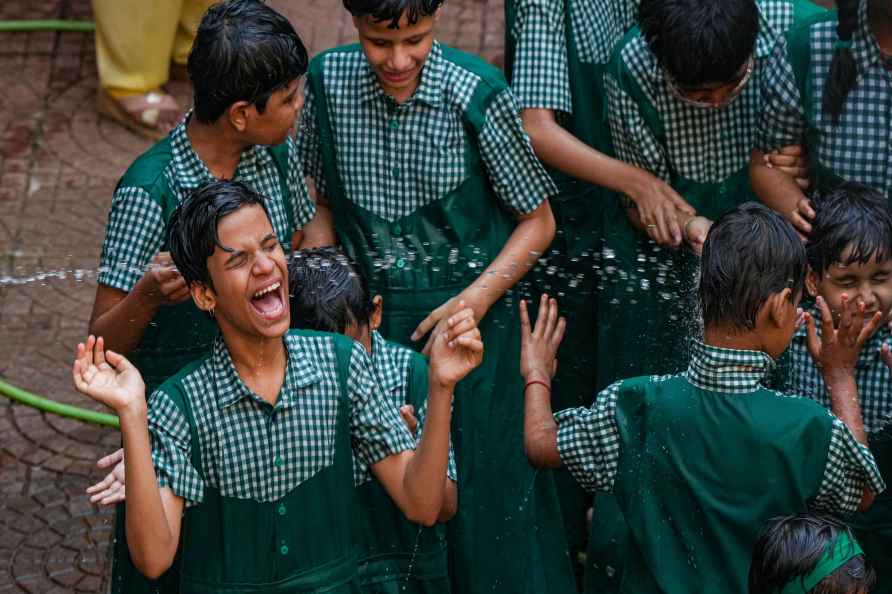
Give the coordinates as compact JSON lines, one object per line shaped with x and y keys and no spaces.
{"x":700,"y":460}
{"x":419,"y":155}
{"x":248,"y":452}
{"x":850,"y":254}
{"x":397,"y":556}
{"x":246,"y":64}
{"x":809,"y":554}
{"x":830,"y":88}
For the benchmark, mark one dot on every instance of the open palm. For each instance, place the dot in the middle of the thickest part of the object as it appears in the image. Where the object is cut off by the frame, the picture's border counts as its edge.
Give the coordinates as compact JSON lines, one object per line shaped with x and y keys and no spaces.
{"x":107,"y":377}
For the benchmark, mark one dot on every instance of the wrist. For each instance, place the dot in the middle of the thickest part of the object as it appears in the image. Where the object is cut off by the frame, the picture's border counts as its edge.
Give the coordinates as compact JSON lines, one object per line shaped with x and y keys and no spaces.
{"x":838,"y":374}
{"x":537,"y":375}
{"x":147,"y":293}
{"x":133,"y":412}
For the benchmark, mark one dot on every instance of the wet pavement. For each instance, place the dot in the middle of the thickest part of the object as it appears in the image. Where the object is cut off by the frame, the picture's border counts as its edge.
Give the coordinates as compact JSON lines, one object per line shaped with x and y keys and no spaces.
{"x":59,"y":162}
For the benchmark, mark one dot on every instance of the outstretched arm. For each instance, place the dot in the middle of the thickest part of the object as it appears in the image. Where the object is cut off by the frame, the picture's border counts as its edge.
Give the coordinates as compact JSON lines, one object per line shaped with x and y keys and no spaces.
{"x":154,"y":515}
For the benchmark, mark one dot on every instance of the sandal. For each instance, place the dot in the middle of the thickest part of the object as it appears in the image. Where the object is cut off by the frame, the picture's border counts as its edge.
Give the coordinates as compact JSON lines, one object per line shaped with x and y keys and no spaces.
{"x":152,"y":115}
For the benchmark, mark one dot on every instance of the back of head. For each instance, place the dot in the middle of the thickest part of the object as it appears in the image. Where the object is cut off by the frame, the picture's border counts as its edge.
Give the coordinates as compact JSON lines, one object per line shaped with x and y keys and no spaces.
{"x":243,"y":51}
{"x":750,"y":254}
{"x":698,"y":42}
{"x":327,"y":293}
{"x":393,"y":10}
{"x":192,"y":229}
{"x":808,"y":554}
{"x":849,"y":215}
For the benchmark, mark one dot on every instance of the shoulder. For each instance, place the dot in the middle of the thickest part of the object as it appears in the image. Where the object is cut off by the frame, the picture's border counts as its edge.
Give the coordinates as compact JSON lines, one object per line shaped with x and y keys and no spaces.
{"x":633,"y":64}
{"x":336,"y":63}
{"x":188,"y":380}
{"x":148,"y":170}
{"x":322,"y":348}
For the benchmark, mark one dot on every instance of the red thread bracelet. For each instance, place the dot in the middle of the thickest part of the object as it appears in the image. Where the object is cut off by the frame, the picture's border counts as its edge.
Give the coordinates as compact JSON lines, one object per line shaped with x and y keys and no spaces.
{"x":540,"y":382}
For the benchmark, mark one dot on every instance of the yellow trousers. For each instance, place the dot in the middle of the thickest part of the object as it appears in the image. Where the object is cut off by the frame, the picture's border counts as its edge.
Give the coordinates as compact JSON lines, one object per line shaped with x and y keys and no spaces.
{"x":137,"y":39}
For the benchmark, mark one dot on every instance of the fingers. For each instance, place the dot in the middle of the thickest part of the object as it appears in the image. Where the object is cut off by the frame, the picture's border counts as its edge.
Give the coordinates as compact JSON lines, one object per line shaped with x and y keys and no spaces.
{"x":796,"y":150}
{"x":111,"y":459}
{"x":426,"y":351}
{"x":99,"y":352}
{"x":805,"y":209}
{"x":470,"y":342}
{"x":118,"y":361}
{"x":524,"y":321}
{"x":117,"y":496}
{"x":797,"y":220}
{"x":869,"y":328}
{"x":886,"y":355}
{"x":680,"y":203}
{"x":814,"y":344}
{"x":803,"y":182}
{"x":794,"y":171}
{"x":845,"y":318}
{"x":558,"y":335}
{"x":101,"y":485}
{"x":427,"y":324}
{"x":407,"y":412}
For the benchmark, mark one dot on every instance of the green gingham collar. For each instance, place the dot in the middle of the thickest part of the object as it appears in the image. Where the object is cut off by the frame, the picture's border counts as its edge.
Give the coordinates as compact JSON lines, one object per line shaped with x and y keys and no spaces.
{"x":731,"y":371}
{"x":429,"y":89}
{"x":189,"y":166}
{"x":865,"y":48}
{"x":300,"y":372}
{"x":390,"y":376}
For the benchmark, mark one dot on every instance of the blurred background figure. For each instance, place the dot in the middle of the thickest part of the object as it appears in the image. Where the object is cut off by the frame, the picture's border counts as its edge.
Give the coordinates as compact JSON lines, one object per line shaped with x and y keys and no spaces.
{"x":139,"y":47}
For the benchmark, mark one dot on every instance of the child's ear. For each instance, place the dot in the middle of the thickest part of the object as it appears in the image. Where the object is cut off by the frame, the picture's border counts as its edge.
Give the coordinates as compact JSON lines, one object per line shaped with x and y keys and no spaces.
{"x":204,"y":297}
{"x":811,"y":282}
{"x":781,"y":307}
{"x":238,"y":115}
{"x":377,"y":312}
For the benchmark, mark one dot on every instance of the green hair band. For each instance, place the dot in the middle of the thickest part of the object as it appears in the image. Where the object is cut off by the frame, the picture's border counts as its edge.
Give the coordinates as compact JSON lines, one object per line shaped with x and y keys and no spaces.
{"x":843,"y":550}
{"x":843,"y":44}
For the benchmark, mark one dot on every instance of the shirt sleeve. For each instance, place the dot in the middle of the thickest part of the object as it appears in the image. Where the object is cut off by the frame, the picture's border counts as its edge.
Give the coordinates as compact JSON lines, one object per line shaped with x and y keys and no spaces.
{"x":634,"y":142}
{"x":172,"y":449}
{"x":303,"y":208}
{"x":518,"y":178}
{"x":376,"y":427}
{"x":850,"y":467}
{"x":782,"y":119}
{"x":133,"y":237}
{"x":541,"y":77}
{"x":588,"y":441}
{"x":309,"y":147}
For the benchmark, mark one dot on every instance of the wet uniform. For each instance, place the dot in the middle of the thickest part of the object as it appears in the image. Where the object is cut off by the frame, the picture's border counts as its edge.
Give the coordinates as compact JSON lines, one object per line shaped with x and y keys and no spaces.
{"x":396,"y":555}
{"x":557,"y":53}
{"x":873,"y":527}
{"x":269,"y":488}
{"x":146,"y":196}
{"x":679,"y":452}
{"x":424,"y":196}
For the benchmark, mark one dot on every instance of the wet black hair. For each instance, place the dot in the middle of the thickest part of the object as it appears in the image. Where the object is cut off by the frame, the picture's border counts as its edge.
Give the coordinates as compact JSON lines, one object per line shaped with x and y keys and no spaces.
{"x":243,"y":51}
{"x":393,"y":10}
{"x":192,"y":229}
{"x":791,"y":547}
{"x":699,"y":42}
{"x":843,"y":69}
{"x":750,"y":254}
{"x":327,"y":291}
{"x":851,"y":214}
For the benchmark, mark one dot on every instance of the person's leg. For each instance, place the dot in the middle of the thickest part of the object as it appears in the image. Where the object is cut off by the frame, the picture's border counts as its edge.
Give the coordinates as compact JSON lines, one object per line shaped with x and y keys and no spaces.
{"x":133,"y":65}
{"x":190,"y":17}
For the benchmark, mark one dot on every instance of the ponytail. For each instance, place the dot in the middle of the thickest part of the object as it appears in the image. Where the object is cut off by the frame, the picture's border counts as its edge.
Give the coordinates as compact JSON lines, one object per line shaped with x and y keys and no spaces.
{"x":843,"y":69}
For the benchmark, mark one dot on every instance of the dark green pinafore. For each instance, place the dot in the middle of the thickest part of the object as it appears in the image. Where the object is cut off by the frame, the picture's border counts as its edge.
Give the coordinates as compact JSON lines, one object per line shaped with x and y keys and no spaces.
{"x":874,"y":527}
{"x":508,"y":534}
{"x":303,"y":543}
{"x":177,"y":335}
{"x":569,"y":269}
{"x":686,"y":486}
{"x":396,"y":555}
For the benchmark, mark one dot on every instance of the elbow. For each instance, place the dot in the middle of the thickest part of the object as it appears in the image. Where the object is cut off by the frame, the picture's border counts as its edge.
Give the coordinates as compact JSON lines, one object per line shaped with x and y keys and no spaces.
{"x":867,"y":500}
{"x":426,"y":517}
{"x":151,"y":568}
{"x":540,"y":457}
{"x":450,"y":502}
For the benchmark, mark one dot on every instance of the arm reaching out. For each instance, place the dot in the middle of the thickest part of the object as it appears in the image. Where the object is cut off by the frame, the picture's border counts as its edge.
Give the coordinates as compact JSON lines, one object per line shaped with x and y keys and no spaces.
{"x":538,"y":364}
{"x":153,"y":524}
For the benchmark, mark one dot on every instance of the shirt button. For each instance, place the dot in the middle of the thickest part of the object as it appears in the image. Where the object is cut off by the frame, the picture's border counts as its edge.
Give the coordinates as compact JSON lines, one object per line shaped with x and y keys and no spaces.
{"x":283,"y":549}
{"x":278,"y":461}
{"x":400,"y":263}
{"x":282,"y":509}
{"x":396,"y":172}
{"x":394,"y":124}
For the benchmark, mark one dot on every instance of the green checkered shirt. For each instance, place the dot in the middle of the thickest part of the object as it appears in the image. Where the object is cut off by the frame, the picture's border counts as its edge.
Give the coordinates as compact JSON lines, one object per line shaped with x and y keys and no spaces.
{"x":589,"y":440}
{"x":251,"y":449}
{"x":541,"y":71}
{"x":858,"y":149}
{"x":873,"y":378}
{"x":393,"y":365}
{"x":136,"y":223}
{"x":702,"y":145}
{"x":395,"y":158}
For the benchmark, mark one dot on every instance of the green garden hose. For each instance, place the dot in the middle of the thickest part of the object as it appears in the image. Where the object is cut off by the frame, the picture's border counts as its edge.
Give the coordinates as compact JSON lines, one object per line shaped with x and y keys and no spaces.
{"x":57,"y":408}
{"x":47,"y":25}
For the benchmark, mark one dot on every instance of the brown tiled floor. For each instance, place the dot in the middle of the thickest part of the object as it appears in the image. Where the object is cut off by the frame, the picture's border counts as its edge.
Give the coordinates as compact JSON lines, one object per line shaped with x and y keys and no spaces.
{"x":58,"y":166}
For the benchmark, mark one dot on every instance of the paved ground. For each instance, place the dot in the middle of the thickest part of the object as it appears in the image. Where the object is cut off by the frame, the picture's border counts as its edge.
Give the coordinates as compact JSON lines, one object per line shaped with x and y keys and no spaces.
{"x":58,"y":167}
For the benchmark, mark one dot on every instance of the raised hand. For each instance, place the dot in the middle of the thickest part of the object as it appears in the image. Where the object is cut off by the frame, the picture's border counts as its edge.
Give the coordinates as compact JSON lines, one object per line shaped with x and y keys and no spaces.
{"x":166,"y":284}
{"x":458,"y":349}
{"x":111,"y":489}
{"x":837,"y":349}
{"x":108,"y":377}
{"x":539,"y":345}
{"x":695,"y":232}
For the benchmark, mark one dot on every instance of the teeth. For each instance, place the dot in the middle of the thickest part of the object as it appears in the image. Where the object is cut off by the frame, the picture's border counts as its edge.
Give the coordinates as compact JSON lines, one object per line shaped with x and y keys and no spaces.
{"x":269,"y":289}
